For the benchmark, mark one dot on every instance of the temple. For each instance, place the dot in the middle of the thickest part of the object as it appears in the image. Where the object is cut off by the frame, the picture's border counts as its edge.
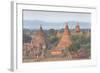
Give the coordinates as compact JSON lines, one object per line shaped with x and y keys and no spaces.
{"x":65,"y":40}
{"x":38,"y":45}
{"x":64,"y":43}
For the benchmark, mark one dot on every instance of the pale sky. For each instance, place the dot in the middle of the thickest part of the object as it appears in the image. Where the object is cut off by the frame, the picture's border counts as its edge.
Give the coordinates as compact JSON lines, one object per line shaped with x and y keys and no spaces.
{"x":56,"y":16}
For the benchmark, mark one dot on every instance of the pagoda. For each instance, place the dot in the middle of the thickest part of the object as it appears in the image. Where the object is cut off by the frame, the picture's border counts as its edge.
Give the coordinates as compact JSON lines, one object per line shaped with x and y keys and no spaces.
{"x":39,"y":43}
{"x":64,"y":43}
{"x":65,"y":40}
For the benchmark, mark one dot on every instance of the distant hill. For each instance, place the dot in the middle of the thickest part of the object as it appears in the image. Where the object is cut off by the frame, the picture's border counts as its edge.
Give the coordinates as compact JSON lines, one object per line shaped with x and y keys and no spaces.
{"x":29,"y":24}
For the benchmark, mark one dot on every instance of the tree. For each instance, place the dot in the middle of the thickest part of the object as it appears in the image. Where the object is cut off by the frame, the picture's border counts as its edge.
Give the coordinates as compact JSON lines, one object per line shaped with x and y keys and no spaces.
{"x":26,"y":38}
{"x":74,"y":47}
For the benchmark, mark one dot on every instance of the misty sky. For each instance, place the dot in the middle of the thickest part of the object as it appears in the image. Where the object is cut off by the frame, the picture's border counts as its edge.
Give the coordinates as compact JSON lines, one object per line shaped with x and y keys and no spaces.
{"x":54,"y":17}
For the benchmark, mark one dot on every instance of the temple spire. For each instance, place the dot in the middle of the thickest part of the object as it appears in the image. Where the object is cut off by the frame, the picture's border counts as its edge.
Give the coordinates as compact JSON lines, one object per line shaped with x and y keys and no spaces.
{"x":77,"y":27}
{"x":41,"y":28}
{"x":66,"y":30}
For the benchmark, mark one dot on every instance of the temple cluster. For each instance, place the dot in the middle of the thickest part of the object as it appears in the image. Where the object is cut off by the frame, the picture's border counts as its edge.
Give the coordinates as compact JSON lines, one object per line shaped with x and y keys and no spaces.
{"x":37,"y":48}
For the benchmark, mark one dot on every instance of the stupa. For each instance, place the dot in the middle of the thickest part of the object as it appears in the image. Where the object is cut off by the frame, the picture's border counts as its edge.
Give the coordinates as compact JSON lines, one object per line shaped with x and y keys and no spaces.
{"x":65,"y":40}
